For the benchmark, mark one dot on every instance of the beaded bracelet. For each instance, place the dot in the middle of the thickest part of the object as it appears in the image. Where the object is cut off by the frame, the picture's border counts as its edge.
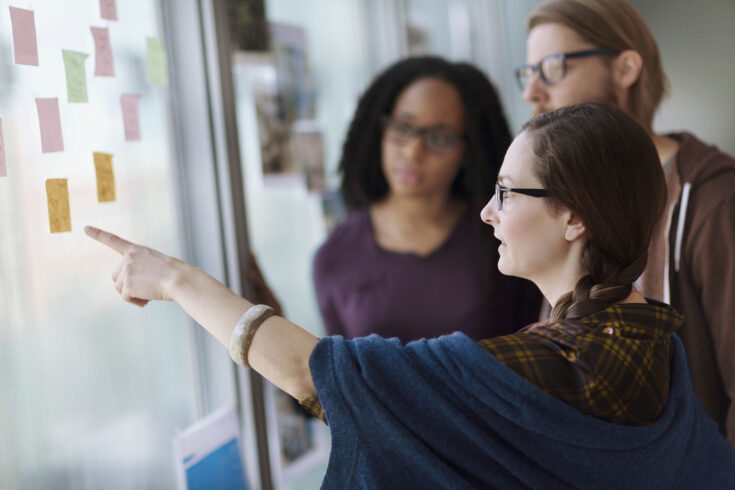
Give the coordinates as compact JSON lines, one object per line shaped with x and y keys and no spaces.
{"x":242,"y":335}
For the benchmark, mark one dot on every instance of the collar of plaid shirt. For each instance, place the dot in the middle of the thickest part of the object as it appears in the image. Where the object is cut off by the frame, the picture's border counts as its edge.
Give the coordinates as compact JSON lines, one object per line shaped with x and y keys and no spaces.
{"x":614,"y":364}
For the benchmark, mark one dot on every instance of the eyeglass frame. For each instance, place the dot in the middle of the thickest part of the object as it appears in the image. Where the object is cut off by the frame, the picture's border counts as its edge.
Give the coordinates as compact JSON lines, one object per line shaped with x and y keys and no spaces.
{"x":564,"y":57}
{"x":387,"y":120}
{"x":499,"y":189}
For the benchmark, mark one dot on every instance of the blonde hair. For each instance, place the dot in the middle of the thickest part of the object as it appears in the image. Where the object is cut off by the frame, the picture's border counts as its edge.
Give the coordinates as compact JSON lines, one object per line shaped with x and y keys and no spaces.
{"x":614,"y":24}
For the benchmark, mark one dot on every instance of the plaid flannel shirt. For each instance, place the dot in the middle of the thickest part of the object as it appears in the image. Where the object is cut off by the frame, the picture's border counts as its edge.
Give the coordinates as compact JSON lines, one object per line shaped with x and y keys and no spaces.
{"x":613,"y":364}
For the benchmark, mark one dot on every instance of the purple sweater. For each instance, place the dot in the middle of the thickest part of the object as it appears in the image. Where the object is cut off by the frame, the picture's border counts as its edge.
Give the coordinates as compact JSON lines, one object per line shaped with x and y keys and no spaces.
{"x":364,"y":289}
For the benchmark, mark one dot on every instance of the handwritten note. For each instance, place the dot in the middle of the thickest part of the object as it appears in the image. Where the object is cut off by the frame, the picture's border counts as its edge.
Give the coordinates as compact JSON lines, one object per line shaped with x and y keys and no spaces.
{"x":156,"y":60}
{"x":50,"y":122}
{"x":105,"y":177}
{"x":103,"y":65}
{"x":131,"y":120}
{"x":108,"y":9}
{"x":3,"y":165}
{"x":76,"y":81}
{"x":57,"y":194}
{"x":24,"y":36}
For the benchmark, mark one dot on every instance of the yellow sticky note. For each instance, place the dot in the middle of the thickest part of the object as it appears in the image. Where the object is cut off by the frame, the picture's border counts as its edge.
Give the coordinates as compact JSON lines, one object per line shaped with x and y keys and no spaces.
{"x":105,"y":177}
{"x":59,"y":216}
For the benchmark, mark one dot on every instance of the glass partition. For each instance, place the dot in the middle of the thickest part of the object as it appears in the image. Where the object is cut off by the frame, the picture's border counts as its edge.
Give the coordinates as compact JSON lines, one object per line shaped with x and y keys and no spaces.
{"x":93,"y":389}
{"x":298,"y":69}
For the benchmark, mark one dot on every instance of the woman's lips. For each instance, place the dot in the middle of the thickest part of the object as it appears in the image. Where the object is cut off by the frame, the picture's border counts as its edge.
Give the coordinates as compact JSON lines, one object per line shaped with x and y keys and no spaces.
{"x":409,"y":177}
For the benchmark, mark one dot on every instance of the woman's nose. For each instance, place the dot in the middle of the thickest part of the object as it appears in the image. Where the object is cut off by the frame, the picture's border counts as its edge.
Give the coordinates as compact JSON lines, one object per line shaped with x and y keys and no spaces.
{"x":414,"y":147}
{"x":489,"y":212}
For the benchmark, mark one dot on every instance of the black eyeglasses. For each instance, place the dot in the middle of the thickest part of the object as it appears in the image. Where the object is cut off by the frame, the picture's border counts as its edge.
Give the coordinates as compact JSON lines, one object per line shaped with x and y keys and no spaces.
{"x":502,"y":193}
{"x":436,"y":139}
{"x":553,"y":68}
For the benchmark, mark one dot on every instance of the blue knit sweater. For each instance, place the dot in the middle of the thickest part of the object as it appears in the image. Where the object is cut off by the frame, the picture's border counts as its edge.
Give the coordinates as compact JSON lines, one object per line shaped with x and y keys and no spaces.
{"x":443,"y":413}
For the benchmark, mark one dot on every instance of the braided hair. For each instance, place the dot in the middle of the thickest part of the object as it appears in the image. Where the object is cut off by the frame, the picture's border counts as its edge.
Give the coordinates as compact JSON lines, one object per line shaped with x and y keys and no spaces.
{"x":598,"y":162}
{"x":487,"y":133}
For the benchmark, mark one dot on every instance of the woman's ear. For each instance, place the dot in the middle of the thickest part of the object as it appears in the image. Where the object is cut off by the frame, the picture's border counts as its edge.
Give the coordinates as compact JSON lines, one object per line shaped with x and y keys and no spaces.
{"x":626,"y":68}
{"x":574,"y":228}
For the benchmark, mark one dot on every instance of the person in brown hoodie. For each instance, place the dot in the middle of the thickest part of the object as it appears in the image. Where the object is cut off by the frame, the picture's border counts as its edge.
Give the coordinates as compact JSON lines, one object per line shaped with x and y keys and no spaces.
{"x":603,"y":51}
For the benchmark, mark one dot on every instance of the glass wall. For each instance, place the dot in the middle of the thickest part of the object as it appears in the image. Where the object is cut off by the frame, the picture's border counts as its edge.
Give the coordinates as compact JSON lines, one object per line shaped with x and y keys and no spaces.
{"x":92,"y":389}
{"x":296,"y":86}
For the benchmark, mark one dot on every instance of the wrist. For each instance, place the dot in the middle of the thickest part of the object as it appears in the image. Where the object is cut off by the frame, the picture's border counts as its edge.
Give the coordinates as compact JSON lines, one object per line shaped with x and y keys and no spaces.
{"x":178,"y":279}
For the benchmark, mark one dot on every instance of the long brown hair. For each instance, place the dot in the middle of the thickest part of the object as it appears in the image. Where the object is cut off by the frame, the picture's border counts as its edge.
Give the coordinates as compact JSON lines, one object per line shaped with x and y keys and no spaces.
{"x":601,"y":164}
{"x":613,"y":24}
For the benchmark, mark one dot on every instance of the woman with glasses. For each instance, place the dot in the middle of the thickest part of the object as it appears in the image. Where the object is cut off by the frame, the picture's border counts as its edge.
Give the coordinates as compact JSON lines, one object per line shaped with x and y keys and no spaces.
{"x":420,"y":156}
{"x":598,"y":396}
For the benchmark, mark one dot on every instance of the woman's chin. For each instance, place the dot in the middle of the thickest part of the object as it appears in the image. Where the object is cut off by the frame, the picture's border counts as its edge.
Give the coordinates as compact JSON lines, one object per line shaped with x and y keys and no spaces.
{"x":504,"y":268}
{"x":508,"y":270}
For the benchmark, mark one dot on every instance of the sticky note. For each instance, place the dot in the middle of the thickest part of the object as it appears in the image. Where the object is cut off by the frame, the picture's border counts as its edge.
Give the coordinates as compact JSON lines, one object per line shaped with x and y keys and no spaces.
{"x":105,"y":177}
{"x":108,"y":9}
{"x":24,"y":36}
{"x":3,"y":165}
{"x":103,"y":65}
{"x":156,"y":60}
{"x":76,"y":81}
{"x":50,"y":122}
{"x":57,"y":193}
{"x":131,"y":121}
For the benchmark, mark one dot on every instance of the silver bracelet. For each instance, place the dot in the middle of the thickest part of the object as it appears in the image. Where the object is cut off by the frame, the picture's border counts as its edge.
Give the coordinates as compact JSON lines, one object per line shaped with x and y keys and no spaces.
{"x":242,"y":335}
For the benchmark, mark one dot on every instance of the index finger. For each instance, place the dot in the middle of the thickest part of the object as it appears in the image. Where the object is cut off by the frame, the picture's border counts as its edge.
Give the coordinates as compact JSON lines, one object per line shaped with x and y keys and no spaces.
{"x":120,"y":245}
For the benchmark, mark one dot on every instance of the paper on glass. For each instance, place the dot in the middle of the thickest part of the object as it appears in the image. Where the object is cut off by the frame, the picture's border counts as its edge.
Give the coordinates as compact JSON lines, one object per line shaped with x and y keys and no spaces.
{"x":104,"y":65}
{"x":49,"y":121}
{"x":24,"y":36}
{"x":59,"y":216}
{"x":105,"y":177}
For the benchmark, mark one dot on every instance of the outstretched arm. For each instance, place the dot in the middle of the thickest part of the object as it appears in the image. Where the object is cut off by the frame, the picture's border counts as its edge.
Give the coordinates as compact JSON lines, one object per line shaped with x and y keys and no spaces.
{"x":280,"y":349}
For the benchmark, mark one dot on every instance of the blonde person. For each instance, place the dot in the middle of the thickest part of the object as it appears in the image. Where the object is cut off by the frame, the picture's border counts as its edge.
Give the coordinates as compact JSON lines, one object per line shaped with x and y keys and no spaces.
{"x":598,"y":396}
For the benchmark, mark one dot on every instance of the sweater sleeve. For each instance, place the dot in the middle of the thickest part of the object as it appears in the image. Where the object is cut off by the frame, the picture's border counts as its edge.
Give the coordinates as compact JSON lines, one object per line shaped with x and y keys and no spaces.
{"x":714,"y":274}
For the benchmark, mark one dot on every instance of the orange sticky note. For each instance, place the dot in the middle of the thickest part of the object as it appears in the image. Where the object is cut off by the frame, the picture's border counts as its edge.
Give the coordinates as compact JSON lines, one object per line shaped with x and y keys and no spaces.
{"x":103,"y":66}
{"x":131,"y":121}
{"x":108,"y":9}
{"x":59,"y":216}
{"x":50,"y":122}
{"x":24,"y":36}
{"x":3,"y":165}
{"x":105,"y":177}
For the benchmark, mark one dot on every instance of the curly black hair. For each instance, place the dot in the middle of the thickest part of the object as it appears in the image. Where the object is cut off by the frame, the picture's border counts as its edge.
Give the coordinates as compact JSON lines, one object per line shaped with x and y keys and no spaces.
{"x":487,"y":133}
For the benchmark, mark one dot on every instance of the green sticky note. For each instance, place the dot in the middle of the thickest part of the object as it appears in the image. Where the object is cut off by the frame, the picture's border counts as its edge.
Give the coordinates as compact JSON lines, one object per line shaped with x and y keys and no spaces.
{"x":156,"y":57}
{"x":76,"y":81}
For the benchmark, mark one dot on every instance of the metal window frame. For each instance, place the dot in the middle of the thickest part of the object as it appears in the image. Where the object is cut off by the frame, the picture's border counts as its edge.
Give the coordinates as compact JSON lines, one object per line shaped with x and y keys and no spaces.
{"x":213,"y":217}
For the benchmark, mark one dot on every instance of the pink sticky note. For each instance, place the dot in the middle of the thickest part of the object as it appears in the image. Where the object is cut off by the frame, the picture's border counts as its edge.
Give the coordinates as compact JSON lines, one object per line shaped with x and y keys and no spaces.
{"x":3,"y":166}
{"x":24,"y":36}
{"x":108,"y":10}
{"x":131,"y":121}
{"x":104,"y":66}
{"x":50,"y":122}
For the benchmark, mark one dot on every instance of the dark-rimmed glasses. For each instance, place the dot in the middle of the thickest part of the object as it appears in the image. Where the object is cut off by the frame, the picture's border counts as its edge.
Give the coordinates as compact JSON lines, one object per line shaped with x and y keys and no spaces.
{"x":436,"y":139}
{"x":502,"y":193}
{"x":553,"y":68}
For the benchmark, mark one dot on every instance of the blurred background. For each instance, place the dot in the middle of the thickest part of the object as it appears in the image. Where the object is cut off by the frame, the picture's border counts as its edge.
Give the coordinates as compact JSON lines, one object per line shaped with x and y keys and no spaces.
{"x":238,"y":151}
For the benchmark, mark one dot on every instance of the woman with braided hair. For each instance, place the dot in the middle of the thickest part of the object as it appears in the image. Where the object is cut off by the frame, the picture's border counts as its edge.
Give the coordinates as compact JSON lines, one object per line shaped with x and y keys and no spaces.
{"x":598,"y":396}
